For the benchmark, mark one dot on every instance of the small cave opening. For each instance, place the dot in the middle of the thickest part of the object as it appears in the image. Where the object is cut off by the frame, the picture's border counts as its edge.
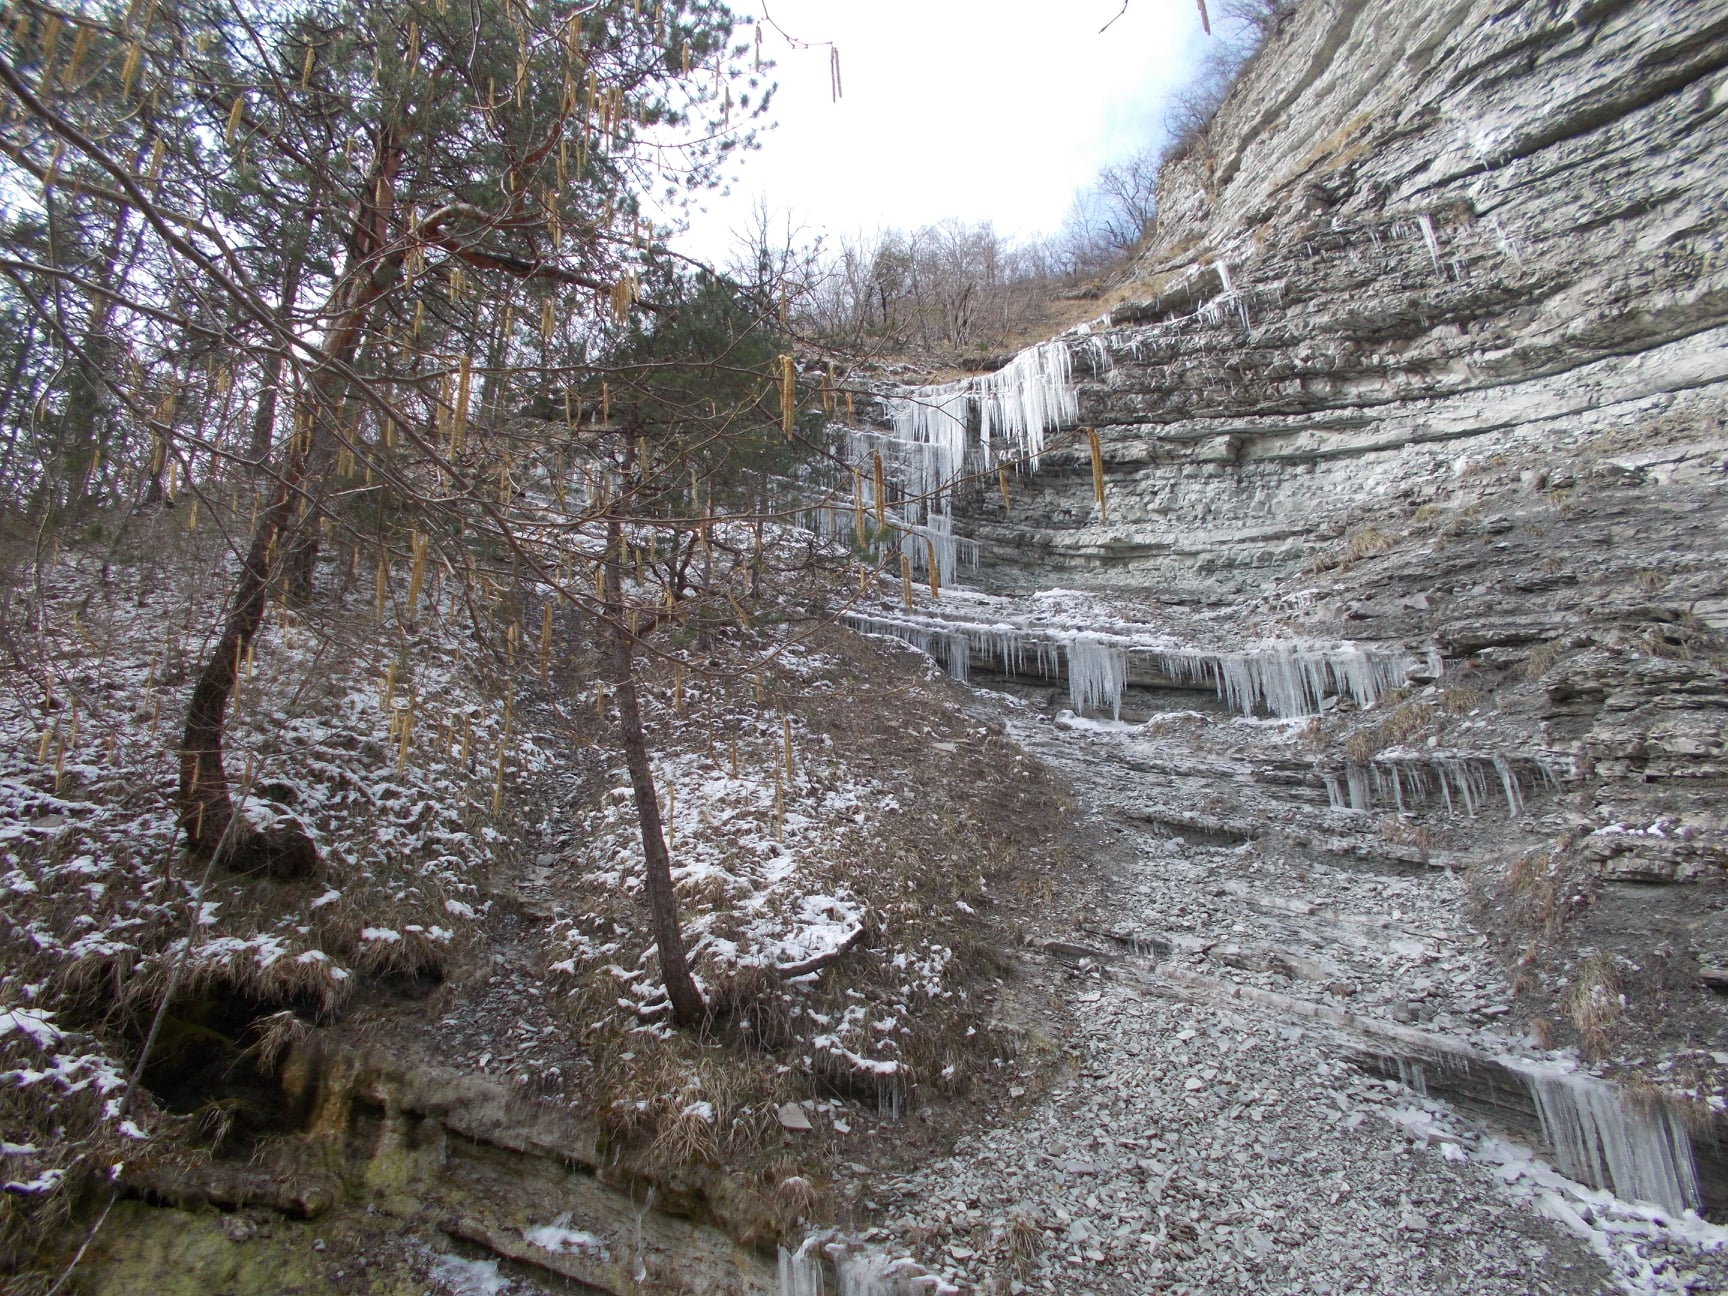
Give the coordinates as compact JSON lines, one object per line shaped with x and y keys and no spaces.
{"x":214,"y":1059}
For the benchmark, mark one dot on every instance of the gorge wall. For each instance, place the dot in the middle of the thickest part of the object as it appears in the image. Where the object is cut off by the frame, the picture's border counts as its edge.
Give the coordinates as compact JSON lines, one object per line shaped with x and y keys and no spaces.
{"x":1430,"y":235}
{"x":1428,"y":351}
{"x":1388,"y":504}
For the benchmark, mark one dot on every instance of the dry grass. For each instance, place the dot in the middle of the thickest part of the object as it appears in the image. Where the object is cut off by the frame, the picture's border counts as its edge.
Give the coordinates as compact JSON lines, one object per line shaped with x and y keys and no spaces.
{"x":1541,"y":658}
{"x":686,"y":1138}
{"x":1594,"y":1001}
{"x":274,"y":1037}
{"x":1542,"y":1031}
{"x":1367,"y":542}
{"x":1405,"y":721}
{"x":796,"y":1200}
{"x":1021,"y":1240}
{"x":1460,"y":699}
{"x":1462,"y":520}
{"x":1314,"y":735}
{"x":1544,"y":889}
{"x":1398,"y":831}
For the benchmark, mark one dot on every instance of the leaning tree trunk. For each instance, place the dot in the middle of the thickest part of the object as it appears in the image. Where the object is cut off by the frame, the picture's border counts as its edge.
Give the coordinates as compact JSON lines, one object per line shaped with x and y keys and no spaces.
{"x":687,"y":1006}
{"x":206,"y":805}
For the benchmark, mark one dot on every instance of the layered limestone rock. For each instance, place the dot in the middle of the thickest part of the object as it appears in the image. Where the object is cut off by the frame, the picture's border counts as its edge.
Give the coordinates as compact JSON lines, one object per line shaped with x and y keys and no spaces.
{"x":1428,"y":353}
{"x":1413,"y":551}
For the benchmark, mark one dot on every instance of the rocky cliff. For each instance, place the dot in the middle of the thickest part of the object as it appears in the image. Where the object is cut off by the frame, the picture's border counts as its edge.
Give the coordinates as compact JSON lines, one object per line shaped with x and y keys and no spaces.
{"x":1428,"y":350}
{"x":1410,"y":453}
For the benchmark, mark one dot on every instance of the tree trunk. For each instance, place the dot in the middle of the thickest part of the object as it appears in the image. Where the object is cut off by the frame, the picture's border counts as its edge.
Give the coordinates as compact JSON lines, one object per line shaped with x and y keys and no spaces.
{"x":89,"y":404}
{"x":305,"y":528}
{"x":687,"y":1006}
{"x":264,"y":418}
{"x":206,"y":808}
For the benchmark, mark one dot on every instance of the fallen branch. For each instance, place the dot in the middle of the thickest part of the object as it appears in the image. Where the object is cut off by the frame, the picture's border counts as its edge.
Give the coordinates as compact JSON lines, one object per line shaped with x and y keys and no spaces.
{"x":821,"y":961}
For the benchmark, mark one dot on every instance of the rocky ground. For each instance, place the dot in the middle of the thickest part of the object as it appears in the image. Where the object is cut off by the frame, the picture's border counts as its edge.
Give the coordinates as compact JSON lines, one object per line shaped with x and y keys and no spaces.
{"x":1208,"y":1132}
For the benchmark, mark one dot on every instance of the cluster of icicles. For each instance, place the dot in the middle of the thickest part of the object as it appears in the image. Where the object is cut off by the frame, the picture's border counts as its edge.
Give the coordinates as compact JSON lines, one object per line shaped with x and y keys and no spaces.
{"x":1462,"y":782}
{"x":935,"y":437}
{"x":1286,"y":680}
{"x":1283,"y":680}
{"x":859,"y":1271}
{"x":1639,"y":1150}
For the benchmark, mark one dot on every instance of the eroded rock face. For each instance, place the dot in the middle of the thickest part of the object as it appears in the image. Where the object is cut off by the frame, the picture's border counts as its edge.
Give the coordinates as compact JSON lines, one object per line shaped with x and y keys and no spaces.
{"x":1452,"y":236}
{"x":1429,"y":350}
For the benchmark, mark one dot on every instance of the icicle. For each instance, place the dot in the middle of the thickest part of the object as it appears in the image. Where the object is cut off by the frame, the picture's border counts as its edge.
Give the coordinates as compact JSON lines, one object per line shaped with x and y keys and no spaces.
{"x":1426,"y":225}
{"x":1641,"y":1153}
{"x":1361,"y":798}
{"x":1509,"y":784}
{"x":1097,"y":674}
{"x":957,"y":656}
{"x":1335,"y":793}
{"x":1506,"y":244}
{"x":801,"y":1272}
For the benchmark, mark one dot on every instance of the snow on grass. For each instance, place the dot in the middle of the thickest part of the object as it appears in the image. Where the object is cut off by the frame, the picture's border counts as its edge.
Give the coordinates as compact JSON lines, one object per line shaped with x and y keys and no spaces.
{"x":380,"y":741}
{"x":759,"y":857}
{"x":774,"y":864}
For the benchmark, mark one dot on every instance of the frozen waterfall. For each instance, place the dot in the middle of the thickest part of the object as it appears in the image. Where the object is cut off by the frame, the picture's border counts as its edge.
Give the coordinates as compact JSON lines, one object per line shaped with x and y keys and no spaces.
{"x":1639,"y":1151}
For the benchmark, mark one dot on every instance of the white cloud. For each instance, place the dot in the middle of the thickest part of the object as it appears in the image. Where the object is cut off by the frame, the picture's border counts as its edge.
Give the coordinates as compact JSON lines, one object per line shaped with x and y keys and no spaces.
{"x":952,"y":108}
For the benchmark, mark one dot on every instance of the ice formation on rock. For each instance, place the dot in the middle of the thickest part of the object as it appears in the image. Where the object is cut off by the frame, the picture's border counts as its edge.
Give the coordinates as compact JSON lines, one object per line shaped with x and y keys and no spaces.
{"x":860,"y":1271}
{"x":1426,"y":224}
{"x":802,"y":1272}
{"x":937,"y":434}
{"x":1465,"y":783}
{"x":1640,"y":1152}
{"x":1097,"y":674}
{"x":936,"y":538}
{"x":1030,"y":395}
{"x":1285,"y":680}
{"x":946,"y":646}
{"x":1292,"y":679}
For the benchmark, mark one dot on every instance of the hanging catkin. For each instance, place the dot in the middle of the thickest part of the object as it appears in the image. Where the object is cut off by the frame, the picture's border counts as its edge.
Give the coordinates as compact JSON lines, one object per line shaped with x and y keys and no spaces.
{"x":906,"y":580}
{"x":880,"y":482}
{"x":788,"y":394}
{"x":417,"y":575}
{"x":459,"y":418}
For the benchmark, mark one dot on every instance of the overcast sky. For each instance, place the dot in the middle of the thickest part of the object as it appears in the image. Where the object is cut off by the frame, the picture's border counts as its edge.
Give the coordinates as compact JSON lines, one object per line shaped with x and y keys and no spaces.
{"x":984,"y":110}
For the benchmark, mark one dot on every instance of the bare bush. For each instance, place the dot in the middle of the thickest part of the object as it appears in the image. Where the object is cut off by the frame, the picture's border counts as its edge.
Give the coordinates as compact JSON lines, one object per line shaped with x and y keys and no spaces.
{"x":1243,"y":26}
